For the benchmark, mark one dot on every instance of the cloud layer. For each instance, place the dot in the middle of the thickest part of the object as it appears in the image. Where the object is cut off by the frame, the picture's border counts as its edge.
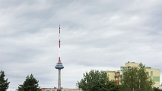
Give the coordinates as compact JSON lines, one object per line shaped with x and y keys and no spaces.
{"x":95,"y":34}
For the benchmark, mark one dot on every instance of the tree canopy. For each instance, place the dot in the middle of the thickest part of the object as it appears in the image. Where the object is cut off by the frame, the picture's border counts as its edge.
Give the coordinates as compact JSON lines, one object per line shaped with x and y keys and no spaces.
{"x":133,"y":79}
{"x":96,"y":81}
{"x":157,"y":89}
{"x":136,"y":79}
{"x":4,"y":84}
{"x":30,"y":84}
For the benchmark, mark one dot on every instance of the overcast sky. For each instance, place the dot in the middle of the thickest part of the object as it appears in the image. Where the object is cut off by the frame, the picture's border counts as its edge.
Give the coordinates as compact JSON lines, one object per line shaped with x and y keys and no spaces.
{"x":95,"y":34}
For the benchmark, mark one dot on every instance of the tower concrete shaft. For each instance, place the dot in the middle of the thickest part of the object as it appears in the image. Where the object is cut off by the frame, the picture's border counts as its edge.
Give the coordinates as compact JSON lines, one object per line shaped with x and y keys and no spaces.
{"x":59,"y":79}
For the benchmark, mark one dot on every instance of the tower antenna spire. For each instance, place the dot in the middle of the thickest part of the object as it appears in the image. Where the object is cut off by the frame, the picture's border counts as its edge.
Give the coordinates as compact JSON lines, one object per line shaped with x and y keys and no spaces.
{"x":59,"y":61}
{"x":59,"y":66}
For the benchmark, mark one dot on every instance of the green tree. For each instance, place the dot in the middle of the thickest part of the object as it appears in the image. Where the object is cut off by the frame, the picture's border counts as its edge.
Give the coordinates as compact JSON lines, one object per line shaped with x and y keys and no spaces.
{"x":157,"y":89}
{"x":30,"y":84}
{"x":136,"y":79}
{"x":3,"y":82}
{"x":96,"y":81}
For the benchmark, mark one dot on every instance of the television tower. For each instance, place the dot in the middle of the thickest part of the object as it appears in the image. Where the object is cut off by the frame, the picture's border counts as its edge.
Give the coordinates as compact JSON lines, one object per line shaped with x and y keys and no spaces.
{"x":59,"y":65}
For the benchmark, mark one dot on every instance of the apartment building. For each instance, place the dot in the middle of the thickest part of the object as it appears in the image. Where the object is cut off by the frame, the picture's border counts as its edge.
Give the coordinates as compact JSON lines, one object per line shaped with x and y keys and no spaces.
{"x":114,"y":76}
{"x":152,"y":72}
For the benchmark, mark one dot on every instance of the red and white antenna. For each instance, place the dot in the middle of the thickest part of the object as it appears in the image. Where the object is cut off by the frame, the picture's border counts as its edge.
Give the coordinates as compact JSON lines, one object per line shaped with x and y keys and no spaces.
{"x":59,"y":61}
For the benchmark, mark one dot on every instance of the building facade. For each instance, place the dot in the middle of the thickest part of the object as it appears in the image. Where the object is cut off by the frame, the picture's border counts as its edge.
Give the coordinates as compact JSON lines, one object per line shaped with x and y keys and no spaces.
{"x":114,"y":76}
{"x":153,"y":73}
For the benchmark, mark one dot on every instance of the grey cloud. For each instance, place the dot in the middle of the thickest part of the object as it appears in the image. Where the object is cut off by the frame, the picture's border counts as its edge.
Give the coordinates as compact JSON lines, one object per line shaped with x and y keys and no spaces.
{"x":94,"y":35}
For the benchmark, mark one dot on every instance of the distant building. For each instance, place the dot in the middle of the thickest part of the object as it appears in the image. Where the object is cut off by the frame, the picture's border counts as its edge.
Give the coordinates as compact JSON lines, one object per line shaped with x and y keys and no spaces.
{"x":155,"y":75}
{"x":152,"y":72}
{"x":55,"y":89}
{"x":114,"y":76}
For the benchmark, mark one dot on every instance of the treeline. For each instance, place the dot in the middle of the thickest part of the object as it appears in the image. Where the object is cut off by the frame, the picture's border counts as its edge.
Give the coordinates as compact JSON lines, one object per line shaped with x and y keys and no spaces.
{"x":133,"y":79}
{"x":30,"y":83}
